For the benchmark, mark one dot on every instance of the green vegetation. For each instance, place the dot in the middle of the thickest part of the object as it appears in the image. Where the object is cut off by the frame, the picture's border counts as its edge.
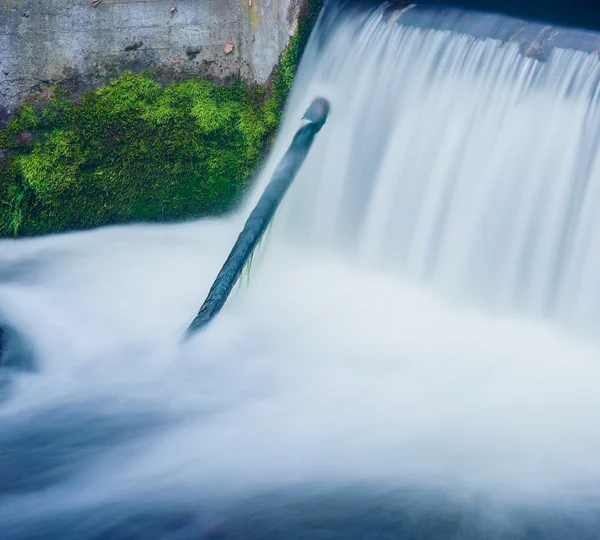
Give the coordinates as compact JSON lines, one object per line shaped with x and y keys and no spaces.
{"x":283,"y":78}
{"x":135,"y":151}
{"x":131,"y":151}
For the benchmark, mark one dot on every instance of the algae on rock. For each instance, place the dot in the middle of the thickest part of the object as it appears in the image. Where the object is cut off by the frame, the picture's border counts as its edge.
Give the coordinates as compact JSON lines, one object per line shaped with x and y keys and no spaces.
{"x":135,"y":151}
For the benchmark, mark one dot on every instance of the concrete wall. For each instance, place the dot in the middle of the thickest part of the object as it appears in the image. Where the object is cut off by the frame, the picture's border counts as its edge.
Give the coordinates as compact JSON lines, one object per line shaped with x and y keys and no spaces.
{"x":43,"y":41}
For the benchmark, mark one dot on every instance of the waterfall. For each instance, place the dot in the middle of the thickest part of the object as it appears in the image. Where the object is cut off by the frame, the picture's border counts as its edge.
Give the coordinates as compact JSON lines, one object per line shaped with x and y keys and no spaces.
{"x":458,"y":162}
{"x":416,"y":353}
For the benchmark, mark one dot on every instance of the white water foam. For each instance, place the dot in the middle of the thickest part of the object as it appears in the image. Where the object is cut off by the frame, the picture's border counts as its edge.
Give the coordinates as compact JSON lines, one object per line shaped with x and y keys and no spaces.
{"x":411,"y":324}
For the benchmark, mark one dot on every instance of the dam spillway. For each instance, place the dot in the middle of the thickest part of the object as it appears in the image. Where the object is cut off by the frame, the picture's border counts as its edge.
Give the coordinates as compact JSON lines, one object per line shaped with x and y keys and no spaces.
{"x":415,"y":355}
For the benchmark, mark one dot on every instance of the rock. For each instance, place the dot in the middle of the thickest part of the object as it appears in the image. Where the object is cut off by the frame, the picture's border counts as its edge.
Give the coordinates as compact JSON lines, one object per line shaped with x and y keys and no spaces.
{"x":15,"y":353}
{"x":82,"y":48}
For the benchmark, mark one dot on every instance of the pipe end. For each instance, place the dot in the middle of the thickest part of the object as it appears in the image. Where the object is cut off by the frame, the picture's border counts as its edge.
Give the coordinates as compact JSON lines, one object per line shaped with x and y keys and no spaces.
{"x":318,"y":112}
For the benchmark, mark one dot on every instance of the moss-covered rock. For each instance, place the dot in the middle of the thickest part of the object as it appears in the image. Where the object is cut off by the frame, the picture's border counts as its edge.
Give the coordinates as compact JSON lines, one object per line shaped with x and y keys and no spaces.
{"x":134,"y":151}
{"x":131,"y":151}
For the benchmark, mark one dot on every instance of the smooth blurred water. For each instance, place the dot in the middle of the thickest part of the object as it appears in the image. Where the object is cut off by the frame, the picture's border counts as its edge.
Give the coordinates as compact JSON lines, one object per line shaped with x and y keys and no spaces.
{"x":413,"y":357}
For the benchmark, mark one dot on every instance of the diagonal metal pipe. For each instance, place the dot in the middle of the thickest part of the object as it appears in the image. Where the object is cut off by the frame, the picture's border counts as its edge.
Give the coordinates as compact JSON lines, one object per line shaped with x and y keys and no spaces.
{"x":262,"y":214}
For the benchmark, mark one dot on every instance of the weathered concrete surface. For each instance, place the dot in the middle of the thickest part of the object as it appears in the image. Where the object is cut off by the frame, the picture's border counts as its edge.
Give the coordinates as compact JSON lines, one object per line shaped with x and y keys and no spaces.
{"x":44,"y":41}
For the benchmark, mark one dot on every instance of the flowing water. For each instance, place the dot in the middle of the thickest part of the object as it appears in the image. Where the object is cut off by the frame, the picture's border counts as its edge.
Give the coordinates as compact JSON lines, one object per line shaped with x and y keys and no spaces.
{"x":414,"y":356}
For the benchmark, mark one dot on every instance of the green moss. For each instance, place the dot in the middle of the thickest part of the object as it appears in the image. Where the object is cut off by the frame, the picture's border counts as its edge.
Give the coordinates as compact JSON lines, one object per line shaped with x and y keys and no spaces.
{"x":53,"y":166}
{"x":283,"y":77}
{"x":134,"y":151}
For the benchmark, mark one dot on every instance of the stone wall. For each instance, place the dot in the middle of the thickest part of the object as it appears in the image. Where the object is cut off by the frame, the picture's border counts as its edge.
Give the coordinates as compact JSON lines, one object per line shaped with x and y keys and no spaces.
{"x":45,"y":41}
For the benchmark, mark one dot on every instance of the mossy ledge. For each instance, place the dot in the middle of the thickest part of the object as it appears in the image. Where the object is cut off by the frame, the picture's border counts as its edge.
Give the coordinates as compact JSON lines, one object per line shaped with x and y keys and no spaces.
{"x":136,"y":151}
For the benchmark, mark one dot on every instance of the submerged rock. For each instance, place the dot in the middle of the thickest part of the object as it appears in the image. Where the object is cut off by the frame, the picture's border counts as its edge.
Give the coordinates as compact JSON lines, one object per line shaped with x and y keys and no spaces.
{"x":15,"y":354}
{"x":15,"y":357}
